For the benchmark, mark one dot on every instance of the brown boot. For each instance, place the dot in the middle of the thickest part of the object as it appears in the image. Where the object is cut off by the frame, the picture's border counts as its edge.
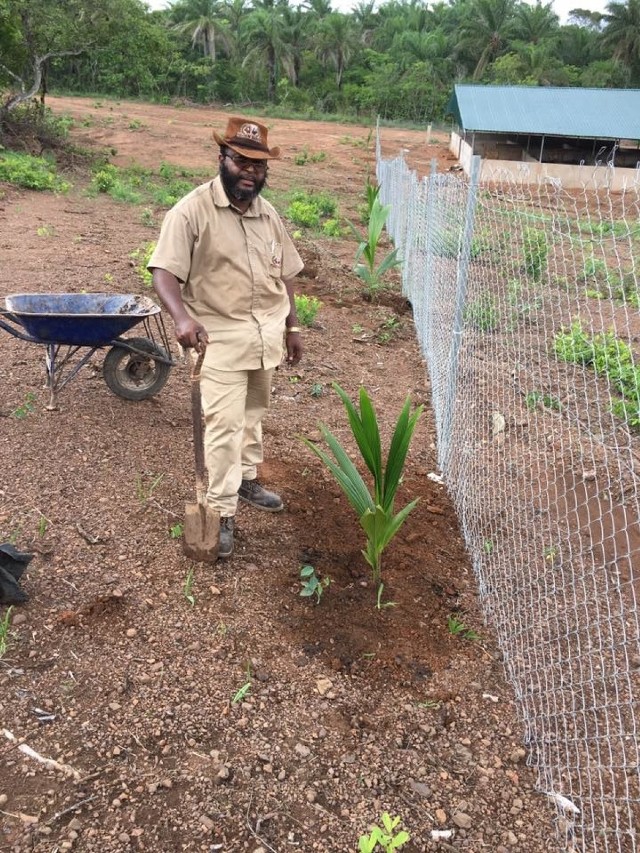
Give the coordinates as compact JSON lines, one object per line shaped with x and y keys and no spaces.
{"x":253,"y":493}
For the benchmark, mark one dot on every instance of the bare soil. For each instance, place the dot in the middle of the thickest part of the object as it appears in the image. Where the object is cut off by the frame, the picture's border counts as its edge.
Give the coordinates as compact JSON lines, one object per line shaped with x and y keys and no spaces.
{"x":113,"y":673}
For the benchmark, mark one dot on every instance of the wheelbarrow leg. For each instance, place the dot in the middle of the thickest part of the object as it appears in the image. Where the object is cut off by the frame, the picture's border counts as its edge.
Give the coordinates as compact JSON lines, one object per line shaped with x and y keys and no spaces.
{"x":52,"y":349}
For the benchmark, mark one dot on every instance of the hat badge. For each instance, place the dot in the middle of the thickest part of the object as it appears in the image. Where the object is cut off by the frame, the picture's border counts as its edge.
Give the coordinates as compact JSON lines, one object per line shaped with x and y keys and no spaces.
{"x":250,"y":131}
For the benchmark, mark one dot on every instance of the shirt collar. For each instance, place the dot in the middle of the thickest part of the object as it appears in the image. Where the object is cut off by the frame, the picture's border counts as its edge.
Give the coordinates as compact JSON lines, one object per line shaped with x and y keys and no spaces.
{"x":220,"y":199}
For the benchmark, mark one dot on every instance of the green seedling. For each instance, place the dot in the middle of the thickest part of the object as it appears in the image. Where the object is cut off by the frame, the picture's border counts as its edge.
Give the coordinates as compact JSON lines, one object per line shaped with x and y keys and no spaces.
{"x":5,"y":624}
{"x":457,"y":627}
{"x":380,"y":604}
{"x":46,"y":231}
{"x":43,"y":524}
{"x":384,"y":837}
{"x":143,"y":492}
{"x":312,"y":584}
{"x":244,"y":691}
{"x":487,"y":547}
{"x":375,"y":511}
{"x":187,"y":589}
{"x":147,"y":218}
{"x":176,"y":530}
{"x":26,"y":407}
{"x":317,"y":389}
{"x":365,"y":260}
{"x":307,"y":308}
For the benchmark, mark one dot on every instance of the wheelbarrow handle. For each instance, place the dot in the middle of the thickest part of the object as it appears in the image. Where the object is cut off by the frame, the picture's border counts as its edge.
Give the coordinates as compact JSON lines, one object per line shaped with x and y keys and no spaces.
{"x":14,"y":330}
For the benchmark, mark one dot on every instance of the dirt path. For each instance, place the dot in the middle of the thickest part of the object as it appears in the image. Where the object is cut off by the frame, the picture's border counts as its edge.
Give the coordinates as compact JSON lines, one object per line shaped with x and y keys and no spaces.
{"x":112,"y":671}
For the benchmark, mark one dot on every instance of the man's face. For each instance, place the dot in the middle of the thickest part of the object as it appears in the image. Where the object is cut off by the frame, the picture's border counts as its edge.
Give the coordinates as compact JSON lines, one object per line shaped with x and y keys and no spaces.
{"x":242,"y":178}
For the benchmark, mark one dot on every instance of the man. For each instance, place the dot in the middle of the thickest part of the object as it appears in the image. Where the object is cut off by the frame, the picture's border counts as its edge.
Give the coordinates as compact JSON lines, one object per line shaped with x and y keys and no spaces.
{"x":224,"y":268}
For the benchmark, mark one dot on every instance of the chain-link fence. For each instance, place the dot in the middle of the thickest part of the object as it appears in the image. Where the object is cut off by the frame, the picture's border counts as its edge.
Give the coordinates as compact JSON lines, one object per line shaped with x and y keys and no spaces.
{"x":525,"y":301}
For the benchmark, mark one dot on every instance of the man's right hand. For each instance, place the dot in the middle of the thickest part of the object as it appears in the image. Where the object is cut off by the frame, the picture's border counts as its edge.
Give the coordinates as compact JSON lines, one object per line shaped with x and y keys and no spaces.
{"x":190,"y":333}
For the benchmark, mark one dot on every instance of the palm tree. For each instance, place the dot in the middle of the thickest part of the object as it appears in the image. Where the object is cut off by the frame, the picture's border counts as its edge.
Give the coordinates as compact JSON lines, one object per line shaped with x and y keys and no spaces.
{"x":337,"y":41}
{"x":204,"y":21}
{"x":487,"y":26}
{"x":622,"y":34}
{"x":267,"y":46}
{"x":533,"y":24}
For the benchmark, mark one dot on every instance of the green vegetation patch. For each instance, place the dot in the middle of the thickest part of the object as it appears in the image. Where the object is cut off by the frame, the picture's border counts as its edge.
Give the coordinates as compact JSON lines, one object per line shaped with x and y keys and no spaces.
{"x":136,"y":185}
{"x":311,"y":209}
{"x":32,"y":173}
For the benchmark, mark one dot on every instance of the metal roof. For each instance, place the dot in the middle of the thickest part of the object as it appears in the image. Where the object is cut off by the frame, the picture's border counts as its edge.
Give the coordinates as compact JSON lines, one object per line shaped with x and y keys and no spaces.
{"x":541,"y":110}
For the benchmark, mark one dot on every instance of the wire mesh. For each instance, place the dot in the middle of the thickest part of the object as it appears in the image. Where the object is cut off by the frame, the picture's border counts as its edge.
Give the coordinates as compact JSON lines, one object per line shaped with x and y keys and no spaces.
{"x":525,"y":301}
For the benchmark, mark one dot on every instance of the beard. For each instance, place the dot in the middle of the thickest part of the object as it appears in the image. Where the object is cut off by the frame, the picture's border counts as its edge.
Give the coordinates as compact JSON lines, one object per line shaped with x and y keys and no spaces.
{"x":233,"y":191}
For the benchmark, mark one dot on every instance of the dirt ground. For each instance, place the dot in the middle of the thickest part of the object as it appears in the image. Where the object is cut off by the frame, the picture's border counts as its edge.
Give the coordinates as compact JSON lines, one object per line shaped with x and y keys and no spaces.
{"x":132,"y":688}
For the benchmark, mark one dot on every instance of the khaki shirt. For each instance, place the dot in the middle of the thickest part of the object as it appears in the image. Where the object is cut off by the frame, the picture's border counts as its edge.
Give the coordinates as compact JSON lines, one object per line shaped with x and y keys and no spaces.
{"x":231,"y":267}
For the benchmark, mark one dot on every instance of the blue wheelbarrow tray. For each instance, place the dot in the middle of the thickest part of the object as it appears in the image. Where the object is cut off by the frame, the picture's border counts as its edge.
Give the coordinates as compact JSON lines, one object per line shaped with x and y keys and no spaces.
{"x":78,"y":319}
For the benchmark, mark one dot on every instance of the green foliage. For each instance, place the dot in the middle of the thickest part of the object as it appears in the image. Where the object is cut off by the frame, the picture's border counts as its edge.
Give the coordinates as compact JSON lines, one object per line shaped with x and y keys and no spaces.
{"x":303,"y":157}
{"x":375,"y":511}
{"x":307,"y":308}
{"x":457,"y":627}
{"x":32,"y":173}
{"x":176,"y":530}
{"x":312,"y":584}
{"x":26,"y":407}
{"x":187,"y":588}
{"x":365,"y":267}
{"x":384,"y":837}
{"x":482,"y":313}
{"x":536,"y":252}
{"x":535,"y":399}
{"x":309,"y":209}
{"x":5,"y":631}
{"x":142,"y":256}
{"x":609,"y":356}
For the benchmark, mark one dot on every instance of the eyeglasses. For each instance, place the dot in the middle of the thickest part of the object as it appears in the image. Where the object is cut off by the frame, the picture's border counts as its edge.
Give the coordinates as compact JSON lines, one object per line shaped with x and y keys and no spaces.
{"x":244,"y":163}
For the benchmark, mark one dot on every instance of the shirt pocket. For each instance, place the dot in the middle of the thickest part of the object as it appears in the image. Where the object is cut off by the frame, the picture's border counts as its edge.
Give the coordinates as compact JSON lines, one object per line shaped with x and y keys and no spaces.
{"x":275,"y":259}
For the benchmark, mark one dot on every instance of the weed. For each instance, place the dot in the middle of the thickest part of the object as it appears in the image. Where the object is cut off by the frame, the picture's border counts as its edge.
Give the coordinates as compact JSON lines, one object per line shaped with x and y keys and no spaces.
{"x":457,"y":627}
{"x":46,"y":231}
{"x":26,"y":407}
{"x":176,"y":530}
{"x":317,"y":389}
{"x":482,"y":313}
{"x":535,"y":398}
{"x":389,"y":329}
{"x":384,"y":837}
{"x":307,"y":308}
{"x":105,"y":178}
{"x":375,"y":511}
{"x":136,"y":124}
{"x":144,"y":492}
{"x":241,"y":694}
{"x":488,"y":547}
{"x":357,"y":329}
{"x":536,"y":251}
{"x":43,"y":524}
{"x":303,"y":157}
{"x":32,"y":173}
{"x":147,"y":218}
{"x":312,"y":584}
{"x":187,"y":589}
{"x":142,"y":256}
{"x":5,"y":633}
{"x":308,"y":209}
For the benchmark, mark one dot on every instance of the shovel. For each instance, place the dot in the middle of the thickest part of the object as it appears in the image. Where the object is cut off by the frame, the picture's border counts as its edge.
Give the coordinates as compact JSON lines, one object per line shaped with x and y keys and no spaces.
{"x":201,"y":537}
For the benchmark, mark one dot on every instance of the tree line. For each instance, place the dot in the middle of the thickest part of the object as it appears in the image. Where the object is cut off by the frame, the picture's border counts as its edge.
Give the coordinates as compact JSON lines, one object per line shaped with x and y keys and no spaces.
{"x":398,"y":59}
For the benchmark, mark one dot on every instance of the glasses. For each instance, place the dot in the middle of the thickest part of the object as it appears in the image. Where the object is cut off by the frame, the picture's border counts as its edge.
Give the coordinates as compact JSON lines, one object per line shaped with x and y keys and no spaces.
{"x":245,"y":163}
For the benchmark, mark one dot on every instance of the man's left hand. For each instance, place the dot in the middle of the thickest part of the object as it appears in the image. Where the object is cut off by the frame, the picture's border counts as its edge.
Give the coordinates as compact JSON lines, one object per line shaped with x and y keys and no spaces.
{"x":294,"y":348}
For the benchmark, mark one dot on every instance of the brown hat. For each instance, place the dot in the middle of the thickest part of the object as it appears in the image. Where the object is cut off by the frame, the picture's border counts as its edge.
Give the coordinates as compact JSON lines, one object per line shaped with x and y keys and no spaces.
{"x":248,"y":138}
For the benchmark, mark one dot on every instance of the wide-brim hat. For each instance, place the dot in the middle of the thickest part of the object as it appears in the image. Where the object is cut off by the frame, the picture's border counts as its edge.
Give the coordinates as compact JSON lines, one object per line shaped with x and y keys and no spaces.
{"x":247,"y":137}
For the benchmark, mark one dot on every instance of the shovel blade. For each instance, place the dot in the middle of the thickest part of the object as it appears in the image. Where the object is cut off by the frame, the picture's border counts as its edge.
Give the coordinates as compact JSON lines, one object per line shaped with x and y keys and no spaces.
{"x":201,"y":536}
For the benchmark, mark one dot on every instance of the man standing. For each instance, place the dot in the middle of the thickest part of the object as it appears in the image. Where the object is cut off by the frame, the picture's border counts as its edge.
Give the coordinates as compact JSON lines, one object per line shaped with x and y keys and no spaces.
{"x":224,"y":268}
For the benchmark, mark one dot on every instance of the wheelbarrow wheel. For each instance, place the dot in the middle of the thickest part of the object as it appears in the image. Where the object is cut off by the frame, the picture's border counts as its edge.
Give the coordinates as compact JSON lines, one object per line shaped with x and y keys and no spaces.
{"x":134,"y":376}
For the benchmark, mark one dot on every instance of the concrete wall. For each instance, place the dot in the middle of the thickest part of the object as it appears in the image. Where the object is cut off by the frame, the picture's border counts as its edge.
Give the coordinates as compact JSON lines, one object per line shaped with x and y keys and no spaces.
{"x":532,"y":172}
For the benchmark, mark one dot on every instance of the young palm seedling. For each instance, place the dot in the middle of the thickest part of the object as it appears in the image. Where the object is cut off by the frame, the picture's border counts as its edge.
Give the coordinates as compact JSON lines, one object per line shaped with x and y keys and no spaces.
{"x":365,"y":260}
{"x":375,"y":511}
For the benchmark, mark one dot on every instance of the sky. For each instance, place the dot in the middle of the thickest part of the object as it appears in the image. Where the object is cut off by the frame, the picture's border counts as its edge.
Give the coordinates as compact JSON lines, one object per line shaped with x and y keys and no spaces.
{"x":561,"y":7}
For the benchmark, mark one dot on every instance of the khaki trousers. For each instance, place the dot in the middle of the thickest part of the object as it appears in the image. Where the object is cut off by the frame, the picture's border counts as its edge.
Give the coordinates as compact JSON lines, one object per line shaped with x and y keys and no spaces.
{"x":234,"y":403}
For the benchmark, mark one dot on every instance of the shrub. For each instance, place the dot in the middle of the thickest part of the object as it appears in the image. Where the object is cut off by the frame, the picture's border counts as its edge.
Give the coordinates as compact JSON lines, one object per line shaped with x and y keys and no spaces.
{"x":307,"y":308}
{"x":33,"y":173}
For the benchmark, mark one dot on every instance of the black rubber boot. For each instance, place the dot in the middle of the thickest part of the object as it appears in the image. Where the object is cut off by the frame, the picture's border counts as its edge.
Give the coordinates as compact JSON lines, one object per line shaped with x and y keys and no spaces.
{"x":226,"y":537}
{"x":253,"y":493}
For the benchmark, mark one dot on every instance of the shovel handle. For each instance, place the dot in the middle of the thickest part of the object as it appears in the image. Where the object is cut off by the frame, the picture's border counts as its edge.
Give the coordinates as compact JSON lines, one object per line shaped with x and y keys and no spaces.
{"x":198,"y":433}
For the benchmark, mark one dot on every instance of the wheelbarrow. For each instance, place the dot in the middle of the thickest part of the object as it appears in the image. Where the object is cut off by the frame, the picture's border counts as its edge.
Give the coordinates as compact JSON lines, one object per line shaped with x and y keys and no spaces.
{"x":134,"y":368}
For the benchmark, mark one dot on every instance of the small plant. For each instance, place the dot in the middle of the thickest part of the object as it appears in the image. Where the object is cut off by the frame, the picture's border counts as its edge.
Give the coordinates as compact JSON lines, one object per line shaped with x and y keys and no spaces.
{"x":187,"y":588}
{"x":142,"y":255}
{"x":26,"y":407}
{"x":43,"y":524}
{"x":307,"y":308}
{"x":32,"y":173}
{"x":309,"y":209}
{"x":384,"y":837}
{"x":144,"y":492}
{"x":365,"y":260}
{"x":176,"y":530}
{"x":317,"y":389}
{"x":380,"y":604}
{"x":147,"y":218}
{"x":312,"y":584}
{"x":241,"y":694}
{"x":105,"y":178}
{"x":389,"y":329}
{"x":536,"y":252}
{"x":534,"y":399}
{"x":375,"y":511}
{"x":46,"y":231}
{"x":457,"y":627}
{"x":482,"y":313}
{"x":5,"y":625}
